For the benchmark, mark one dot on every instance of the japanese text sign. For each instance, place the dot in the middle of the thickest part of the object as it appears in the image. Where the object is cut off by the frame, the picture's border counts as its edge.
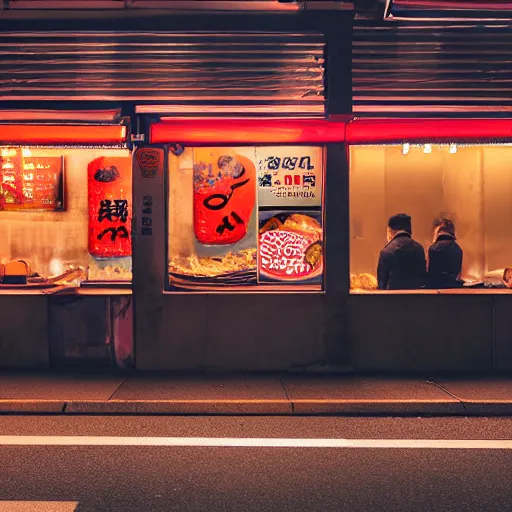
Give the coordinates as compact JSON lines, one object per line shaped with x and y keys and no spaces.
{"x":224,"y":195}
{"x":290,"y":176}
{"x":110,"y":209}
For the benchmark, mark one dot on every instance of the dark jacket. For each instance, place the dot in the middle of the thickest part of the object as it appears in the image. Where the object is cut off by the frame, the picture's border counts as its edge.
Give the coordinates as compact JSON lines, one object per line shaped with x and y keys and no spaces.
{"x":402,"y":264}
{"x":444,"y":262}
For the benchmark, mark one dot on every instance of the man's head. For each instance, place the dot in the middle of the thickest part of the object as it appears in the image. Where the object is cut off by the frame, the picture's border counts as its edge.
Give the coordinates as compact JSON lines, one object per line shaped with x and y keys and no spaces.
{"x":397,"y":223}
{"x":442,"y":225}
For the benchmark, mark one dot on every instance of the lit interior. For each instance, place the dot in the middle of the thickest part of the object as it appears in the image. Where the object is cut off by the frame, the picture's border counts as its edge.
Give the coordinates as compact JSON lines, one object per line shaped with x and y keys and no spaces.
{"x":245,"y":217}
{"x":54,"y":242}
{"x":469,"y":184}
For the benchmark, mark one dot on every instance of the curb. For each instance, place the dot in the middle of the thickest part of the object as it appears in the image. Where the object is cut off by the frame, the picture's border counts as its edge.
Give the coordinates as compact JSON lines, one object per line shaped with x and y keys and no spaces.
{"x":256,"y":407}
{"x":32,"y":406}
{"x":378,"y":407}
{"x":177,"y":407}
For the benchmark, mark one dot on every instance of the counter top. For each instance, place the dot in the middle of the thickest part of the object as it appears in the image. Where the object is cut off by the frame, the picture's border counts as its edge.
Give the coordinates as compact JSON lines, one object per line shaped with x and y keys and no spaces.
{"x":32,"y":291}
{"x":95,"y":292}
{"x":68,"y":290}
{"x":453,"y":291}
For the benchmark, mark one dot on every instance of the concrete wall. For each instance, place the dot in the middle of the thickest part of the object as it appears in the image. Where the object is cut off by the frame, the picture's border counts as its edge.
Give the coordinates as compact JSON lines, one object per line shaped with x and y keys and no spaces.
{"x":24,"y":332}
{"x":425,"y":332}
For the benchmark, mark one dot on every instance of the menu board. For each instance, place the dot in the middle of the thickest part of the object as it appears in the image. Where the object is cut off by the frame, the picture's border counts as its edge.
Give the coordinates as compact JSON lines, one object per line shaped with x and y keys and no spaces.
{"x":290,"y":176}
{"x":30,"y":182}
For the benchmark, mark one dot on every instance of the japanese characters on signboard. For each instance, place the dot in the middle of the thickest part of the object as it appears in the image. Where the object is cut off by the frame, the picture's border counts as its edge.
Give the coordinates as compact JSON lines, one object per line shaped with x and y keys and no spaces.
{"x":30,"y":183}
{"x":110,"y":209}
{"x":224,"y":195}
{"x":147,"y":216}
{"x":290,"y":176}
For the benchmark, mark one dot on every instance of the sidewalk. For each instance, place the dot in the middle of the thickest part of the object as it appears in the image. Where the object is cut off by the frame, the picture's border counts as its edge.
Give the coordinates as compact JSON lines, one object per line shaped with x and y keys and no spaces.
{"x":252,"y":394}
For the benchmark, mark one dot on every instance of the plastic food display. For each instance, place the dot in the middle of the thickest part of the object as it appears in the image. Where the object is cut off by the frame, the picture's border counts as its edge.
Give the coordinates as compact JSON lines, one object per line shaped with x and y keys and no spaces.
{"x":224,"y":196}
{"x":110,"y":208}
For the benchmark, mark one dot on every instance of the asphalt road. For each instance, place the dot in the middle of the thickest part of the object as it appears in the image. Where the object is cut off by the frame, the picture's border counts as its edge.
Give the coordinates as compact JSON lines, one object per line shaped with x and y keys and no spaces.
{"x":142,"y":478}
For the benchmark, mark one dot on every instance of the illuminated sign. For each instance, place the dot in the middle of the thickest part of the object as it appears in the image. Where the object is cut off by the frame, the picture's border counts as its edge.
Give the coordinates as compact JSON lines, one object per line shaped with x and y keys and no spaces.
{"x":224,"y":195}
{"x":110,"y":208}
{"x":30,"y":182}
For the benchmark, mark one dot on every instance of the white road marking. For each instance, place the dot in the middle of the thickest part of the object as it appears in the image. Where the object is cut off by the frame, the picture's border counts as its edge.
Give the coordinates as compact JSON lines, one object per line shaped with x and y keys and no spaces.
{"x":249,"y":442}
{"x":38,"y":506}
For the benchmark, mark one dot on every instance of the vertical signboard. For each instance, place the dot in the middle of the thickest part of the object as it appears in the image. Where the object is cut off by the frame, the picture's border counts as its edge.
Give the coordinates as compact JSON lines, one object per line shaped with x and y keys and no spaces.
{"x":224,"y":195}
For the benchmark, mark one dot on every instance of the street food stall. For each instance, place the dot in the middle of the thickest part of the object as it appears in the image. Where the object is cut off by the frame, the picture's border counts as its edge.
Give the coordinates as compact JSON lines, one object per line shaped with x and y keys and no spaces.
{"x":231,"y":247}
{"x":65,"y":269}
{"x":430,"y":169}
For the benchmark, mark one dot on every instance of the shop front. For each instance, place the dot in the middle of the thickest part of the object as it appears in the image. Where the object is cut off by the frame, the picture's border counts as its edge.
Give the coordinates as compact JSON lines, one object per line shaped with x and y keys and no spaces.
{"x":453,"y":178}
{"x":219,"y":179}
{"x":66,"y":255}
{"x":233,"y":243}
{"x":431,"y":139}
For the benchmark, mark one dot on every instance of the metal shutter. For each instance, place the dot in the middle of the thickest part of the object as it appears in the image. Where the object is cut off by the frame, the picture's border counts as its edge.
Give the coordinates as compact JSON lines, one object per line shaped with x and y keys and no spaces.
{"x":265,"y":73}
{"x":416,"y":68}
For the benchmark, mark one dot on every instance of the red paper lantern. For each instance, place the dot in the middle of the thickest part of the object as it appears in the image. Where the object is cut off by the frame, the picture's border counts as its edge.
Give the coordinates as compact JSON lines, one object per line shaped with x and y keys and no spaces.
{"x":224,"y":195}
{"x":110,"y":208}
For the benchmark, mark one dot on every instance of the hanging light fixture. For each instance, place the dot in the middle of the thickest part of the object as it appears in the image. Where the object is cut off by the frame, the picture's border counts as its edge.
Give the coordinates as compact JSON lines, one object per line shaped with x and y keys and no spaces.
{"x":427,"y":148}
{"x":406,"y":148}
{"x":453,"y":149}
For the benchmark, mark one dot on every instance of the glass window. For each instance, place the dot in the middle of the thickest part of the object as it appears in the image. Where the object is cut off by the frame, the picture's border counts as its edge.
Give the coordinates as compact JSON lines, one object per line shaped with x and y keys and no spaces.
{"x":458,"y":198}
{"x":245,"y":217}
{"x":65,"y":215}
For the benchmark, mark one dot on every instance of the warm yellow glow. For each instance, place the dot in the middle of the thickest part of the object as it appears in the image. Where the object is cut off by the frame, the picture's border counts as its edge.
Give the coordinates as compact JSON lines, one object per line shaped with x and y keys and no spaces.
{"x":211,"y":267}
{"x":468,"y":183}
{"x":6,"y":152}
{"x":54,"y":243}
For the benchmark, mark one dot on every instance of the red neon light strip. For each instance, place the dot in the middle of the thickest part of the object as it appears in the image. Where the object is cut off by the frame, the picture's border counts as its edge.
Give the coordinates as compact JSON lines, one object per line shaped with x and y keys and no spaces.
{"x":61,"y":134}
{"x":367,"y":131}
{"x":240,"y":131}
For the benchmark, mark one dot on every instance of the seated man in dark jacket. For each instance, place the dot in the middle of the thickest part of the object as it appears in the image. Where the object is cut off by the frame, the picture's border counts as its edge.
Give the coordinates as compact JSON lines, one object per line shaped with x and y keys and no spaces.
{"x":402,"y":264}
{"x":444,"y":257}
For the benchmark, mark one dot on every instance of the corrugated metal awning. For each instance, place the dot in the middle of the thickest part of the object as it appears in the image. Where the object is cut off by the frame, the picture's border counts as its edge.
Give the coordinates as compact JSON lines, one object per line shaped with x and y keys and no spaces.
{"x":190,"y":72}
{"x":411,"y":68}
